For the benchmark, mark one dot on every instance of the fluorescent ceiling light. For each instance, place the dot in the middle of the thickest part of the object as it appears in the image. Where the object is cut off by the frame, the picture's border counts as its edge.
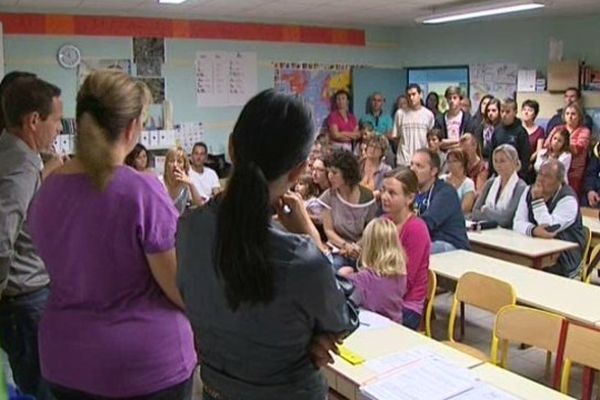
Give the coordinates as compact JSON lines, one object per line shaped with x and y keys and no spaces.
{"x":478,"y":11}
{"x":171,"y":1}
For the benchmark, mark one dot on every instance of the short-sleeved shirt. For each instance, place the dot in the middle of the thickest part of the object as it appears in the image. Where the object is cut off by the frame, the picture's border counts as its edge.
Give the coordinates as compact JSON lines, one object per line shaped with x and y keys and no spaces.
{"x":467,"y":186}
{"x":343,"y":125}
{"x":453,"y":125}
{"x":382,"y":124}
{"x":349,"y":220}
{"x":205,"y":182}
{"x":108,"y":328}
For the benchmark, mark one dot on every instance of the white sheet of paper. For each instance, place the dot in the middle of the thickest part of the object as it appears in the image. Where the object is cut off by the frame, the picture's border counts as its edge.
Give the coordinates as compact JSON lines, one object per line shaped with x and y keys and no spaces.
{"x":485,"y":392}
{"x":371,"y":321}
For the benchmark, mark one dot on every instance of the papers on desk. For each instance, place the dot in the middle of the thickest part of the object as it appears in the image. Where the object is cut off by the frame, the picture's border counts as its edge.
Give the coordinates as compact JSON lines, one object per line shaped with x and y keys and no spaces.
{"x":422,"y":374}
{"x":371,"y":321}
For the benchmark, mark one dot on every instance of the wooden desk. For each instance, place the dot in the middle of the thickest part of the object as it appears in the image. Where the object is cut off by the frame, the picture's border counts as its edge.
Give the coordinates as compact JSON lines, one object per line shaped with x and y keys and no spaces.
{"x":568,"y":297}
{"x":590,"y":219}
{"x":515,"y":384}
{"x":509,"y":245}
{"x":346,"y":379}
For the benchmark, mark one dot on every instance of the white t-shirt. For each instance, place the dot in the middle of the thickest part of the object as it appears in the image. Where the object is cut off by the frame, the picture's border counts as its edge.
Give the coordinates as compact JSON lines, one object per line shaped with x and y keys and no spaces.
{"x":205,"y":182}
{"x":411,"y":126}
{"x":467,"y":186}
{"x":453,"y":126}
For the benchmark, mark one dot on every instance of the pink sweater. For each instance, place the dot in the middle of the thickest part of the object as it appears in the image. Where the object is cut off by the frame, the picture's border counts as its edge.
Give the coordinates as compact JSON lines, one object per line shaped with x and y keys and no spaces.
{"x":415,"y":239}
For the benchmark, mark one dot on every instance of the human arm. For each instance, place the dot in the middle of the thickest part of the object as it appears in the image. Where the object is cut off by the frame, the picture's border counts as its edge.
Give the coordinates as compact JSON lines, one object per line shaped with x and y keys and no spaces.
{"x":164,"y":270}
{"x":566,"y":158}
{"x":468,"y":197}
{"x":521,"y":222}
{"x":477,"y":214}
{"x":564,"y":213}
{"x":183,"y":177}
{"x":443,"y":203}
{"x":298,"y":220}
{"x":480,"y":181}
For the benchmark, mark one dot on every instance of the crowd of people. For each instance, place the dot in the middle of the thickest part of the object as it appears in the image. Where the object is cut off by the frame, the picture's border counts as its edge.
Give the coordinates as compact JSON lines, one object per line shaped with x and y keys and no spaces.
{"x":113,"y":281}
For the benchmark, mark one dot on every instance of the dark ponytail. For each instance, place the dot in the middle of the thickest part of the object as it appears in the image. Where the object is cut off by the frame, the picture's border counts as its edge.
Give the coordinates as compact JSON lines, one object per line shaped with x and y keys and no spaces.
{"x":273,"y":134}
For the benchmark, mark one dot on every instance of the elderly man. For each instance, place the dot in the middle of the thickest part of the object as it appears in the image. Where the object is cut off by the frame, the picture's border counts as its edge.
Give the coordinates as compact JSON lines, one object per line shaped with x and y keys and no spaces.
{"x":549,"y":209}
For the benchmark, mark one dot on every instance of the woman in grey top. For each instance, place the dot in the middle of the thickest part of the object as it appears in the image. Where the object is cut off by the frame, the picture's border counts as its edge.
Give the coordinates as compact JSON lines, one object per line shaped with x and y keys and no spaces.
{"x":500,"y":195}
{"x":262,"y":297}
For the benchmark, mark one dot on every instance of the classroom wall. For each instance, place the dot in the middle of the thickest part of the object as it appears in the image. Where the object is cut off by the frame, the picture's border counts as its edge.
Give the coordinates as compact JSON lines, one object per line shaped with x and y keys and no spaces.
{"x":523,"y":41}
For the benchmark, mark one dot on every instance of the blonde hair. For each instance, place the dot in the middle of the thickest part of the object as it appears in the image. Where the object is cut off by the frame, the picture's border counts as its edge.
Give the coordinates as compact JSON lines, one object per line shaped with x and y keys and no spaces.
{"x":381,"y":249}
{"x":176,"y":154}
{"x":107,"y":103}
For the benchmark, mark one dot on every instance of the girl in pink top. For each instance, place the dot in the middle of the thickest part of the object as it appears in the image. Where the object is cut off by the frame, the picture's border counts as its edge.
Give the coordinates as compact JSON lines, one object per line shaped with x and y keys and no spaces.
{"x":342,"y":124}
{"x":397,"y":198}
{"x":580,"y":143}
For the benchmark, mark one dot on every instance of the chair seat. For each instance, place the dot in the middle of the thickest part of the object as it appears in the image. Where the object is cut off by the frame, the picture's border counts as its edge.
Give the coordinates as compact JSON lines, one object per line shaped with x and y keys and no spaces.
{"x":472,"y":351}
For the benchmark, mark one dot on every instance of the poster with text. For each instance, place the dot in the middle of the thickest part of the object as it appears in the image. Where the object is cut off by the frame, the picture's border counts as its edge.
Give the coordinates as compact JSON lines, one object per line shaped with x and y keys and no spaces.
{"x":499,"y":80}
{"x":225,"y":78}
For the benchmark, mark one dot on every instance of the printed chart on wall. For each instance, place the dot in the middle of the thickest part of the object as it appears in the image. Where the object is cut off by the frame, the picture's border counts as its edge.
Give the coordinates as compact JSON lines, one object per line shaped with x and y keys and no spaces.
{"x":225,"y":78}
{"x":500,"y":80}
{"x":316,"y":83}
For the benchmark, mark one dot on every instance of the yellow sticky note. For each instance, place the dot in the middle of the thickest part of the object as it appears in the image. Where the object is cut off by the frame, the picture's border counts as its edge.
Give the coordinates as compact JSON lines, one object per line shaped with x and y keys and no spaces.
{"x":350,"y":356}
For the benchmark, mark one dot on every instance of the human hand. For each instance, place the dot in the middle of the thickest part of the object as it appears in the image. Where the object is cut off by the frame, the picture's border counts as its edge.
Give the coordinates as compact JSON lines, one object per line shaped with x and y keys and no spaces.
{"x":345,"y":271}
{"x":321,"y":347}
{"x":292,"y":213}
{"x":536,"y":191}
{"x":541,"y":232}
{"x":182,"y":176}
{"x":593,"y":198}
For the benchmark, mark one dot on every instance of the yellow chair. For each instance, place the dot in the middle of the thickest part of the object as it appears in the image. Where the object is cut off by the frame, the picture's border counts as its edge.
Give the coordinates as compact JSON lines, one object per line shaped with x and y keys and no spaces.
{"x":483,"y":292}
{"x":526,"y":325}
{"x":582,"y":346}
{"x":585,"y":259}
{"x":593,"y":264}
{"x":431,"y":288}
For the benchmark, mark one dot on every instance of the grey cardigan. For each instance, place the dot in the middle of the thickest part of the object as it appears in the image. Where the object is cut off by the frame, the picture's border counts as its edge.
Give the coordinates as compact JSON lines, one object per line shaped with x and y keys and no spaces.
{"x":504,"y":218}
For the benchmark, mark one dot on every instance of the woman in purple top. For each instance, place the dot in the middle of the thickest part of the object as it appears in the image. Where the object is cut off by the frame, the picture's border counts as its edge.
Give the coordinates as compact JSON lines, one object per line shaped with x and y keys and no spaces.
{"x":381,"y":283}
{"x":114,"y":325}
{"x":342,"y":124}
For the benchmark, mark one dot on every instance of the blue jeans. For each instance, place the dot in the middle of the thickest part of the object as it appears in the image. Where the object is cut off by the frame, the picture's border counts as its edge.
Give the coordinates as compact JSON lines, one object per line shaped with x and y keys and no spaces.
{"x":439,"y":246}
{"x":411,"y":319}
{"x":19,"y":319}
{"x":340,"y":261}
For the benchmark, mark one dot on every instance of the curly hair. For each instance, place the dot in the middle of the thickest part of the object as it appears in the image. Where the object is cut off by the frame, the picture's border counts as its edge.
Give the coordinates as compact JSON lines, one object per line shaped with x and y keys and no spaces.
{"x":348,"y":165}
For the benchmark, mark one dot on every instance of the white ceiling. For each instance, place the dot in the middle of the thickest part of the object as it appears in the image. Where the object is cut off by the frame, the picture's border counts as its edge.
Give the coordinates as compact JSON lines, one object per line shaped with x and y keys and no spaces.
{"x":309,"y":12}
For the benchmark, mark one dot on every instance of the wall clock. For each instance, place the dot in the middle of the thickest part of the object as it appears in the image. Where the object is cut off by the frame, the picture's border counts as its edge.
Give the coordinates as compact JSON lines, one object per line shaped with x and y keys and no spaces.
{"x":69,"y":56}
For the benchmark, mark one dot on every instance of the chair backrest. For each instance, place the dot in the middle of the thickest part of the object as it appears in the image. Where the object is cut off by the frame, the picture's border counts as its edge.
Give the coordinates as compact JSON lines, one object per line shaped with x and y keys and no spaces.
{"x":585,"y":260}
{"x":431,"y":288}
{"x":582,"y":346}
{"x":534,"y":327}
{"x":484,"y":292}
{"x":592,"y":264}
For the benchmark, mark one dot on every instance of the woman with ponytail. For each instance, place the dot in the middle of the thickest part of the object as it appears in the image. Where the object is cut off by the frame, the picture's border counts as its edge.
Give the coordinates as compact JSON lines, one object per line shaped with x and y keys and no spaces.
{"x":262,"y":297}
{"x":114,"y":325}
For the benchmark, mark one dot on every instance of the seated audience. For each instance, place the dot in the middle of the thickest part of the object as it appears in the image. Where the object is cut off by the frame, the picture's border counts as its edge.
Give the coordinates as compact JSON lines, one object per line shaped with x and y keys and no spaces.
{"x":319,"y":175}
{"x":557,"y":148}
{"x":485,"y":131}
{"x":114,"y":326}
{"x":205,"y":179}
{"x":579,"y":139}
{"x":177,"y":180}
{"x":453,"y":122}
{"x":548,"y":209}
{"x":501,"y":194}
{"x":434,"y":143}
{"x":380,"y":283}
{"x":456,"y":176}
{"x":139,"y":159}
{"x":437,"y":204}
{"x":348,"y":207}
{"x":511,"y":131}
{"x":400,"y":188}
{"x":592,"y":178}
{"x":373,"y":167}
{"x":477,"y":167}
{"x":263,"y":298}
{"x":571,"y":96}
{"x":342,"y":124}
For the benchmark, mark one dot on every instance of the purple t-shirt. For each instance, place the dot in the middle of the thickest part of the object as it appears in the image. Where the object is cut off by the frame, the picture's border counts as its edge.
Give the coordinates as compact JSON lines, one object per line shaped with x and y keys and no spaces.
{"x":108,"y":328}
{"x":383,"y":295}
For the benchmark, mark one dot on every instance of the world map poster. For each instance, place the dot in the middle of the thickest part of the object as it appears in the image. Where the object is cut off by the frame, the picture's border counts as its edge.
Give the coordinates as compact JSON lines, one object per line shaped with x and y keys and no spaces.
{"x":315,"y":83}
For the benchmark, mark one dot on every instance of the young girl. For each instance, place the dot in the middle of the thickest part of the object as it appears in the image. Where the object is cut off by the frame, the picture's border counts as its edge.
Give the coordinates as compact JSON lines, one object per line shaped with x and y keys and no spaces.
{"x":380,"y":284}
{"x":558,"y":148}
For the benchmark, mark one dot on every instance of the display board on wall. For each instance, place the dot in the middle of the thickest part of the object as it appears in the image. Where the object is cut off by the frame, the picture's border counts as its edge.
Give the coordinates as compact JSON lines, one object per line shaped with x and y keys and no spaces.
{"x":315,"y":83}
{"x":499,"y":80}
{"x":225,"y":78}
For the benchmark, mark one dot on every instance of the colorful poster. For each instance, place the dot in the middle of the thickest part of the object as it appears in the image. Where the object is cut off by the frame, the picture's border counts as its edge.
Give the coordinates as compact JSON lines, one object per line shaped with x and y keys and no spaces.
{"x":315,"y":83}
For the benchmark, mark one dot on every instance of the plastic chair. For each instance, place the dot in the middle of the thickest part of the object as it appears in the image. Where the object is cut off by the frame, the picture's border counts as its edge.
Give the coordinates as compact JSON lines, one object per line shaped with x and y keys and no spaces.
{"x":431,"y":288}
{"x":585,"y":259}
{"x":483,"y":292}
{"x":525,"y":325}
{"x":581,"y":346}
{"x":593,"y":264}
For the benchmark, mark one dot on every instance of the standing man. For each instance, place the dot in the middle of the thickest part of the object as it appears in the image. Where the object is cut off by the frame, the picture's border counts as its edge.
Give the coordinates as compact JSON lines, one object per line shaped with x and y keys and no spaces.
{"x":454,"y":121}
{"x":205,"y":179}
{"x":381,"y":122}
{"x":411,"y":125}
{"x":32,"y":110}
{"x":572,"y":95}
{"x":548,"y":209}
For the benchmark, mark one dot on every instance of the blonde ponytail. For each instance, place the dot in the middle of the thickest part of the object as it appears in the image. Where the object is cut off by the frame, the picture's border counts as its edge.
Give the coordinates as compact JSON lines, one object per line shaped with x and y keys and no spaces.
{"x":94,"y":151}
